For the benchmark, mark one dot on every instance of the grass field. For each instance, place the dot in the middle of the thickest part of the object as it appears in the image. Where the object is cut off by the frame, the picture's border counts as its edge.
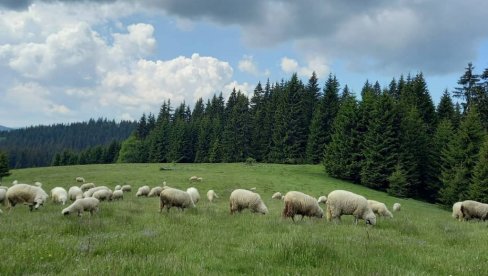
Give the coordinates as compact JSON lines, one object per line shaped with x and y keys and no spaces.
{"x":132,"y":237}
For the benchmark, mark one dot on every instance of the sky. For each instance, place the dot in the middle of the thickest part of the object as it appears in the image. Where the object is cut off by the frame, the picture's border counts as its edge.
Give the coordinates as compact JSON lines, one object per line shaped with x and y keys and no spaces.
{"x":69,"y":61}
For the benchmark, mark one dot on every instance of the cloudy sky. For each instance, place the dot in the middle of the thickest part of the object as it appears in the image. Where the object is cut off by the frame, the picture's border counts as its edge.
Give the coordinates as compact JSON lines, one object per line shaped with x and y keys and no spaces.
{"x":65,"y":61}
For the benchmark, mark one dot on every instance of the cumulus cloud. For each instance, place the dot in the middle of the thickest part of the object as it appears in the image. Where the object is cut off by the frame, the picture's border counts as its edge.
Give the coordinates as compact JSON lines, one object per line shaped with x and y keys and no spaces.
{"x":248,"y":65}
{"x":317,"y":65}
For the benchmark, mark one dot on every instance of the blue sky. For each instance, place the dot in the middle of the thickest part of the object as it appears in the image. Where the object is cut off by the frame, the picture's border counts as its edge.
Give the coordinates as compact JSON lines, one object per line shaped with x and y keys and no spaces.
{"x":65,"y":61}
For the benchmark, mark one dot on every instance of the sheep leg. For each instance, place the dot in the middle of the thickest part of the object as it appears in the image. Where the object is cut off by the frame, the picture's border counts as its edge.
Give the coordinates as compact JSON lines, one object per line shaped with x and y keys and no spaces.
{"x":31,"y":207}
{"x":355,"y":220}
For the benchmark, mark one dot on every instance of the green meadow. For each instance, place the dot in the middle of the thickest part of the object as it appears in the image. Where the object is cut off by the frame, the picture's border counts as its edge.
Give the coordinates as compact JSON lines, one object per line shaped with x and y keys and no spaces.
{"x":131,"y":236}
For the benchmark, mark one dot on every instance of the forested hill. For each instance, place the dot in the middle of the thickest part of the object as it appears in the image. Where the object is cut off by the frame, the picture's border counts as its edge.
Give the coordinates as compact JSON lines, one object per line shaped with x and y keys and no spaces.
{"x":36,"y":146}
{"x":2,"y":128}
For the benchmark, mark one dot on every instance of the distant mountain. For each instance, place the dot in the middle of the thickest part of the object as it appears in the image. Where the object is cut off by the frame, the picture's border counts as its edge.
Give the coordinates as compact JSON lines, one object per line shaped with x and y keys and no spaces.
{"x":4,"y":128}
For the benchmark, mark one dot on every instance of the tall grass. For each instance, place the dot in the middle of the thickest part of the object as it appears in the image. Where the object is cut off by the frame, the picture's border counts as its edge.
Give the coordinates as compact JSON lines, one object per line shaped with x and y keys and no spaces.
{"x":132,"y":237}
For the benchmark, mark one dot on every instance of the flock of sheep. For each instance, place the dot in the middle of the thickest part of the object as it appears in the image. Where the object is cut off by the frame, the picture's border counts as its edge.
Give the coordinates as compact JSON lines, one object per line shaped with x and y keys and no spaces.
{"x":87,"y":197}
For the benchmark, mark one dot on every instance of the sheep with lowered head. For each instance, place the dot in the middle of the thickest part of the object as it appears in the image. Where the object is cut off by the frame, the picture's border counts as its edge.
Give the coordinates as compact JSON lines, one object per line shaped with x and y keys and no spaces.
{"x":156,"y":191}
{"x":340,"y":202}
{"x":397,"y":207}
{"x":211,"y":195}
{"x":456,"y":211}
{"x":143,"y":191}
{"x":75,"y":193}
{"x":244,"y":199}
{"x":298,"y":203}
{"x":81,"y":205}
{"x":194,"y":194}
{"x":117,"y":194}
{"x":3,"y":196}
{"x":117,"y":187}
{"x":103,"y":195}
{"x":80,"y":179}
{"x":379,"y":208}
{"x":277,"y":196}
{"x":91,"y":191}
{"x":172,"y":197}
{"x":474,"y":210}
{"x":322,"y":199}
{"x":87,"y":186}
{"x":126,"y":188}
{"x":29,"y":194}
{"x":59,"y":195}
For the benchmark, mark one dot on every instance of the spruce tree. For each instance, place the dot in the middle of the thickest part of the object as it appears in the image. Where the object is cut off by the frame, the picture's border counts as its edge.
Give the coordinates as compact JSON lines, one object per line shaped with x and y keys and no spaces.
{"x":441,"y":139}
{"x":467,"y":90}
{"x":445,"y":109}
{"x":479,"y":186}
{"x":399,"y":186}
{"x":4,"y":166}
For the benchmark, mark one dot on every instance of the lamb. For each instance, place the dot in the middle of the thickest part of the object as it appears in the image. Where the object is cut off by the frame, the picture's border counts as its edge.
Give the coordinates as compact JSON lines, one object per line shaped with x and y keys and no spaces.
{"x":118,"y":194}
{"x":23,"y":193}
{"x":59,"y":195}
{"x":126,"y":188}
{"x":298,"y":203}
{"x":211,"y":195}
{"x":118,"y":187}
{"x":322,"y":199}
{"x":172,"y":197}
{"x":456,"y":211}
{"x":277,"y":196}
{"x":80,"y":179}
{"x":340,"y":202}
{"x":194,"y":194}
{"x":103,"y":194}
{"x":91,"y":191}
{"x":87,"y":186}
{"x":379,"y":208}
{"x":80,"y":205}
{"x":241,"y":199}
{"x":471,"y":209}
{"x":143,"y":191}
{"x":397,"y":207}
{"x":75,"y":193}
{"x":156,"y":191}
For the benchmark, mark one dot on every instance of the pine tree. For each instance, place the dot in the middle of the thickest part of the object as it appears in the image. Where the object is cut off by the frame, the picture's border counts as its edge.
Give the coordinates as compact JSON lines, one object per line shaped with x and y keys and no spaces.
{"x":399,"y":185}
{"x":142,"y":129}
{"x":442,"y":136}
{"x":4,"y":167}
{"x":445,"y":109}
{"x":468,"y":89}
{"x":479,"y":186}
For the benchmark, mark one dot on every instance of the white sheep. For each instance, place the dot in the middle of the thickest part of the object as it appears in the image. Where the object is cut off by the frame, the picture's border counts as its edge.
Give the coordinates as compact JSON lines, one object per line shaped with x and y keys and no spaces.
{"x":23,"y":193}
{"x":83,"y":204}
{"x":91,"y":191}
{"x":456,"y":211}
{"x":75,"y":193}
{"x":193,"y":178}
{"x":103,"y":194}
{"x":397,"y":207}
{"x":15,"y":182}
{"x":211,"y":195}
{"x":322,"y":199}
{"x":298,"y":203}
{"x":253,"y":189}
{"x":194,"y":194}
{"x":172,"y":197}
{"x":118,"y":194}
{"x":243,"y":199}
{"x":87,"y":186}
{"x":117,"y":187}
{"x":3,"y":196}
{"x":59,"y":195}
{"x":379,"y":208}
{"x":155,"y":191}
{"x":340,"y":202}
{"x":126,"y":188}
{"x":277,"y":196}
{"x":199,"y":179}
{"x":38,"y":184}
{"x":4,"y":187}
{"x":474,"y":210}
{"x":143,"y":191}
{"x":80,"y":179}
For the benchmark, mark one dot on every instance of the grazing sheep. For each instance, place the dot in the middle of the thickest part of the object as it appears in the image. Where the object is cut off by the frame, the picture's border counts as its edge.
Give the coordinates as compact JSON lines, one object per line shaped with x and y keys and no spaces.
{"x":211,"y":195}
{"x":340,"y":202}
{"x":118,"y":194}
{"x":3,"y":196}
{"x":91,"y":191}
{"x":3,"y":188}
{"x":171,"y":197}
{"x":199,"y":179}
{"x":379,"y":208}
{"x":103,"y":195}
{"x":195,"y":178}
{"x":75,"y":193}
{"x":241,"y":199}
{"x":474,"y":210}
{"x":118,"y":187}
{"x":253,"y":189}
{"x":298,"y":203}
{"x":23,"y":193}
{"x":277,"y":196}
{"x":83,"y":204}
{"x":143,"y":191}
{"x":194,"y":194}
{"x":80,"y":179}
{"x":156,"y":191}
{"x":15,"y":182}
{"x":456,"y":211}
{"x":87,"y":186}
{"x":59,"y":195}
{"x":126,"y":188}
{"x":38,"y":184}
{"x":397,"y":207}
{"x":322,"y":199}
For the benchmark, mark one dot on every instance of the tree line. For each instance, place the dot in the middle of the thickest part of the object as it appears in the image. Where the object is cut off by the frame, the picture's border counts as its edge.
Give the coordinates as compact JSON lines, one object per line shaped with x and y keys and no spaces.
{"x":393,"y":138}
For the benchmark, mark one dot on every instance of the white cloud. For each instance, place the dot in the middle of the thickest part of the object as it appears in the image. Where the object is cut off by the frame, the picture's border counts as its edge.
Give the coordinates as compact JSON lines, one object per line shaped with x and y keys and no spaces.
{"x":247,"y":65}
{"x":317,"y":65}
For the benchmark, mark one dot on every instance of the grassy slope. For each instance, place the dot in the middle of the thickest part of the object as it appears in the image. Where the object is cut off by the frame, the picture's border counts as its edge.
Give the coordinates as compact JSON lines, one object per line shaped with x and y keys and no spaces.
{"x":130,"y":236}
